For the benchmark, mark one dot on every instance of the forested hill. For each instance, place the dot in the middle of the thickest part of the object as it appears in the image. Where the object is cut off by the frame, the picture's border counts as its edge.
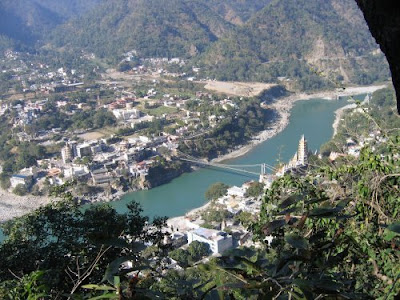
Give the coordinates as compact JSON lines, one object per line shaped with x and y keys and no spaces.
{"x":24,"y":22}
{"x":153,"y":27}
{"x":172,"y":28}
{"x":239,"y":39}
{"x":237,"y":11}
{"x":246,"y":40}
{"x":286,"y":37}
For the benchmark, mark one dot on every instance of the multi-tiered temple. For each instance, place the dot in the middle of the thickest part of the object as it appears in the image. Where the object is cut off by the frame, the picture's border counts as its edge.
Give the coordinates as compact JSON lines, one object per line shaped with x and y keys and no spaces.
{"x":300,"y":158}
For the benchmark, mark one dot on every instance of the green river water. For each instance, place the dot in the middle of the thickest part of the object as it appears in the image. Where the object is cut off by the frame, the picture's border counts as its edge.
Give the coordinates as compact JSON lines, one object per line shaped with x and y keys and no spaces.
{"x":313,"y":118}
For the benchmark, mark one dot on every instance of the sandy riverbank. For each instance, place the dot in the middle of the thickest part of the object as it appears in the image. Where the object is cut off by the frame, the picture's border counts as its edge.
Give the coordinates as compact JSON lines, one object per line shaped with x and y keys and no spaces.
{"x":283,"y":107}
{"x":12,"y":206}
{"x":234,"y":88}
{"x":339,"y":113}
{"x":182,"y":223}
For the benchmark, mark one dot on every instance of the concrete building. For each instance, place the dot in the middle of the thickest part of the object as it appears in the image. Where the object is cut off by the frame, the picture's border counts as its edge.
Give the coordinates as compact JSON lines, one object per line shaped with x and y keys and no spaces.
{"x":300,"y":158}
{"x":76,"y":171}
{"x":219,"y":241}
{"x":126,"y":114}
{"x":69,"y":152}
{"x":17,"y":179}
{"x":84,"y":149}
{"x":236,"y":191}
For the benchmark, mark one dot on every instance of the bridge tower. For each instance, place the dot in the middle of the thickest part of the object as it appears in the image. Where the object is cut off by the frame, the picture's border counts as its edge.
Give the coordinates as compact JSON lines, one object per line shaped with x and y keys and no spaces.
{"x":263,"y":169}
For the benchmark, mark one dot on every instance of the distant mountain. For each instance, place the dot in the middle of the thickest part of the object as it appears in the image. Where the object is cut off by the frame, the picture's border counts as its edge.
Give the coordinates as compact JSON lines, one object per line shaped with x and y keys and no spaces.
{"x":24,"y":22}
{"x":69,"y":8}
{"x":237,"y":11}
{"x":152,"y":27}
{"x":295,"y":37}
{"x":230,"y":39}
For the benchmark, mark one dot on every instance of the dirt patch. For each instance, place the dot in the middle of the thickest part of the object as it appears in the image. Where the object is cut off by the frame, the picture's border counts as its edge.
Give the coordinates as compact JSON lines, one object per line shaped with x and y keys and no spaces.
{"x":244,"y":89}
{"x":94,"y":135}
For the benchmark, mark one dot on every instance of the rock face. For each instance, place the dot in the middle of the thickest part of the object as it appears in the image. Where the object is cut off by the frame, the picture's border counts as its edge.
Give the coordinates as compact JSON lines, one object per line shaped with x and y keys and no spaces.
{"x":383,"y":19}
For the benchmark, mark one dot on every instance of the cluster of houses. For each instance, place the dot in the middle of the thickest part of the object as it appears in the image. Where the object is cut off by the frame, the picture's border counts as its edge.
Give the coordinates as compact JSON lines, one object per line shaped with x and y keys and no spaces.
{"x":36,"y":76}
{"x":109,"y":162}
{"x":353,"y":148}
{"x":228,"y":235}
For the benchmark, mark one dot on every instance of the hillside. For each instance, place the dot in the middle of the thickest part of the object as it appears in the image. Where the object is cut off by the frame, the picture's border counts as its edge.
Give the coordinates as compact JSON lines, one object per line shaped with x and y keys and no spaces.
{"x":286,"y":37}
{"x":237,"y":11}
{"x":239,"y":40}
{"x":181,"y":28}
{"x":24,"y":22}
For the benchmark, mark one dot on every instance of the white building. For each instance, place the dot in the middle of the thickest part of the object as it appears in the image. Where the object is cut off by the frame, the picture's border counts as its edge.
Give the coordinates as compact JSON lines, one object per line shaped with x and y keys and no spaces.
{"x":219,"y":241}
{"x":236,"y":191}
{"x":126,"y":114}
{"x":69,"y":151}
{"x":76,"y":171}
{"x":20,"y":179}
{"x":84,"y":149}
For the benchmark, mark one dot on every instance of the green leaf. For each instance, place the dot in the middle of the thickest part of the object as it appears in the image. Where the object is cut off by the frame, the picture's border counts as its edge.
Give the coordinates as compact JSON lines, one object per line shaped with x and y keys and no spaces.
{"x":289,"y":201}
{"x":389,"y":235}
{"x":324,"y":212}
{"x":395,"y":227}
{"x":272,"y":226}
{"x":305,"y":286}
{"x":105,"y":296}
{"x":117,"y":281}
{"x":296,"y":241}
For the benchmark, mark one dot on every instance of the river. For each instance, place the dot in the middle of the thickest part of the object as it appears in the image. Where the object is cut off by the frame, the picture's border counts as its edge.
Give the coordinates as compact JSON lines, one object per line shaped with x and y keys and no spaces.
{"x":313,"y":118}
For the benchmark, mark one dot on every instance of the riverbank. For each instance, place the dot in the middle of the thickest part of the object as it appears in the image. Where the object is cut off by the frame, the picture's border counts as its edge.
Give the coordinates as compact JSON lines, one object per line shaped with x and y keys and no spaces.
{"x":283,"y":107}
{"x":12,"y":206}
{"x":339,"y":113}
{"x":182,"y":223}
{"x":338,"y":116}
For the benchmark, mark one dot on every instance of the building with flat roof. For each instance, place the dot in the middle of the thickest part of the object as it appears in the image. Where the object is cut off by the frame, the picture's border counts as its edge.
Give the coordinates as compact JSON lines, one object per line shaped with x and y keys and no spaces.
{"x":17,"y":179}
{"x":218,"y":241}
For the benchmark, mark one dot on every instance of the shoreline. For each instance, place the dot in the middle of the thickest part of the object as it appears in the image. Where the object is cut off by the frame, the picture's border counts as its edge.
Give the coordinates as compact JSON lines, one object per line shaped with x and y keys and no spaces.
{"x":338,"y":116}
{"x":14,"y":206}
{"x":284,"y":106}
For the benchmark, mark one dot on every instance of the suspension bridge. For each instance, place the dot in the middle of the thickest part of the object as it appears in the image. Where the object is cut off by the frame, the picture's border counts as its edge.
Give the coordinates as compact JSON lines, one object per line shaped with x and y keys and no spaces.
{"x":263,"y":167}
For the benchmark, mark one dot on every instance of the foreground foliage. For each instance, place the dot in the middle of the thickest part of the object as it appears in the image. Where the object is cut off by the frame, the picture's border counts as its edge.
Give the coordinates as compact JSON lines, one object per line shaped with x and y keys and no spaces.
{"x":70,"y":245}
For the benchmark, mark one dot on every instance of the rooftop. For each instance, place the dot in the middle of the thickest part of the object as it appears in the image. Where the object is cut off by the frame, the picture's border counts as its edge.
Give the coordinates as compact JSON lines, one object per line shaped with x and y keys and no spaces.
{"x":209,"y":234}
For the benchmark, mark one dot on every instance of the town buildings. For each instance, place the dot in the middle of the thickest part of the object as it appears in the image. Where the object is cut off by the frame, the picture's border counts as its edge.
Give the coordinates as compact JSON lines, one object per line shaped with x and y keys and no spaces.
{"x":218,"y":241}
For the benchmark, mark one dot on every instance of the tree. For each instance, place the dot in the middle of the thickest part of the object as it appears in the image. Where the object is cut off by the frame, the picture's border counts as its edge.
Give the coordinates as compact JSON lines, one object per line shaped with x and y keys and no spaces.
{"x":197,"y":250}
{"x":181,"y":256}
{"x":73,"y":246}
{"x":20,"y":190}
{"x":216,"y":191}
{"x":255,"y":189}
